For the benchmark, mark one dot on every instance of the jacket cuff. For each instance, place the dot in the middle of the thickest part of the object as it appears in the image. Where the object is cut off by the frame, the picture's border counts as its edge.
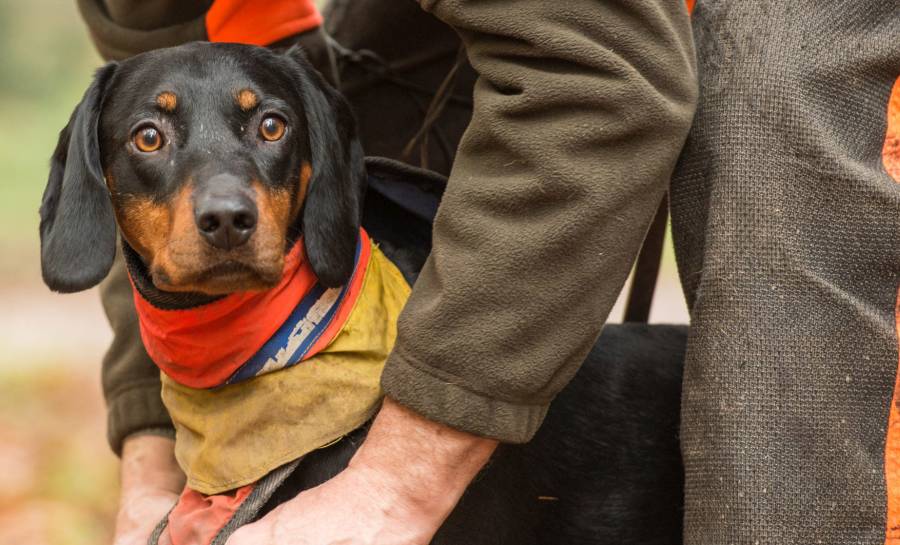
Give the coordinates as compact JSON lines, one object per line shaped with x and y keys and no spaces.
{"x":135,"y":410}
{"x":440,"y":398}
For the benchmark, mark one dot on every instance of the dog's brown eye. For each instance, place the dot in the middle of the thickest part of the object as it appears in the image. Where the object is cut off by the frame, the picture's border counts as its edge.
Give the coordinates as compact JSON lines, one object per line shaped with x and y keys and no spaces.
{"x":272,"y":128}
{"x":147,"y":139}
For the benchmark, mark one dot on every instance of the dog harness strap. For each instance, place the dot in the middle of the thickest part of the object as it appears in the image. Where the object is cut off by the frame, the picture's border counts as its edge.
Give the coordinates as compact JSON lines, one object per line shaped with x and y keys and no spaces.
{"x":260,"y":22}
{"x":196,"y":346}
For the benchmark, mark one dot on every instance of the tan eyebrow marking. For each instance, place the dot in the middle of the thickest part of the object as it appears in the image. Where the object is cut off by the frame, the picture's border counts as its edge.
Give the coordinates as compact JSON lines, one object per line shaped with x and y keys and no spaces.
{"x":167,"y":101}
{"x":246,"y":99}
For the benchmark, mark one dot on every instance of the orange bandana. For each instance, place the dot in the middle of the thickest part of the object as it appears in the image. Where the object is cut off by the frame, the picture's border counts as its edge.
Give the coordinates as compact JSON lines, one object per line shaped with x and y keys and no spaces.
{"x":247,"y":334}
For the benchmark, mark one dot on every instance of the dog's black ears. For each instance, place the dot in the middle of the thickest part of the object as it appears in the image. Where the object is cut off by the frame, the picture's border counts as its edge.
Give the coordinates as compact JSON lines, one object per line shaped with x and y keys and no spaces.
{"x":78,"y":227}
{"x":333,"y":207}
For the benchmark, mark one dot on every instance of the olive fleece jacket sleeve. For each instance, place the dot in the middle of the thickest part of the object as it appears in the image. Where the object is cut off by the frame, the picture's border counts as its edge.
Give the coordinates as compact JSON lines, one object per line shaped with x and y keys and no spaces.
{"x":131,"y":382}
{"x":580,"y":112}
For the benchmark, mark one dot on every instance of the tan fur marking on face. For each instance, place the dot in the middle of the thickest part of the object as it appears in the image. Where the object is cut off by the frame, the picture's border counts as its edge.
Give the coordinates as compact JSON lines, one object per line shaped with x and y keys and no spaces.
{"x":183,"y":226}
{"x":153,"y":228}
{"x":167,"y":101}
{"x":145,"y":225}
{"x":246,"y":99}
{"x":180,"y":235}
{"x":274,"y":207}
{"x":305,"y":175}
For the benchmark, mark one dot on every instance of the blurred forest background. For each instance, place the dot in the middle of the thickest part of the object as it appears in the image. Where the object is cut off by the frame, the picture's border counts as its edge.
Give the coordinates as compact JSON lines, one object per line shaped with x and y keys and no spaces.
{"x":58,"y":477}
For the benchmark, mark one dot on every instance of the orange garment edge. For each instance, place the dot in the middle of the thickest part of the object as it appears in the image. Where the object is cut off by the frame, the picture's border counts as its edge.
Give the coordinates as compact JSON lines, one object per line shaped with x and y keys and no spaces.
{"x":197,"y":519}
{"x":260,"y":22}
{"x":890,"y":156}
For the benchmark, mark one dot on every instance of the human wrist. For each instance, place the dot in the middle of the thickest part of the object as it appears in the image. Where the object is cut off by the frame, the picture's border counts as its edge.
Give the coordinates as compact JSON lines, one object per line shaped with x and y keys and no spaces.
{"x":419,"y":467}
{"x":148,"y":464}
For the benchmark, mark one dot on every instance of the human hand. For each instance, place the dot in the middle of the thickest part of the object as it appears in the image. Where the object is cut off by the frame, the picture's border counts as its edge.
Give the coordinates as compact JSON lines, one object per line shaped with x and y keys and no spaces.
{"x":398,"y":489}
{"x":349,"y":509}
{"x":151,"y":483}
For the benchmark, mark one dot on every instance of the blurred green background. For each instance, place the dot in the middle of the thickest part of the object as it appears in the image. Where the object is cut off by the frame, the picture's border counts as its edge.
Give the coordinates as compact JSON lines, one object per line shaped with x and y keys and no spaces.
{"x":45,"y":65}
{"x":57,"y":476}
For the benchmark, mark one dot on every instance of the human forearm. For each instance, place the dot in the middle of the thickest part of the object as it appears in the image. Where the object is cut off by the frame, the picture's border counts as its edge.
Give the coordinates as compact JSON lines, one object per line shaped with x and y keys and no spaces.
{"x":424,"y":465}
{"x":148,"y":461}
{"x":150,"y":483}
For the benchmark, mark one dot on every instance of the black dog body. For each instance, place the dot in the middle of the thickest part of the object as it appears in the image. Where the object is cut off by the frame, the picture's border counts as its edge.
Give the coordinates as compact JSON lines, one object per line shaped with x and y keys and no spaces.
{"x":159,"y":137}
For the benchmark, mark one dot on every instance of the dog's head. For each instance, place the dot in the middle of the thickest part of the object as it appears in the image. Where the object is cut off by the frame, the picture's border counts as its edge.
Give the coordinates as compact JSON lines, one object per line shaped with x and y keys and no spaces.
{"x":212,"y":158}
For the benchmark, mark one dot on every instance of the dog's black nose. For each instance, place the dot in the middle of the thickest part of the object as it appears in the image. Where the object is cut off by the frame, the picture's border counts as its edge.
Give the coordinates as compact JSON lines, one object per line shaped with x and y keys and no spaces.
{"x":225,"y":221}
